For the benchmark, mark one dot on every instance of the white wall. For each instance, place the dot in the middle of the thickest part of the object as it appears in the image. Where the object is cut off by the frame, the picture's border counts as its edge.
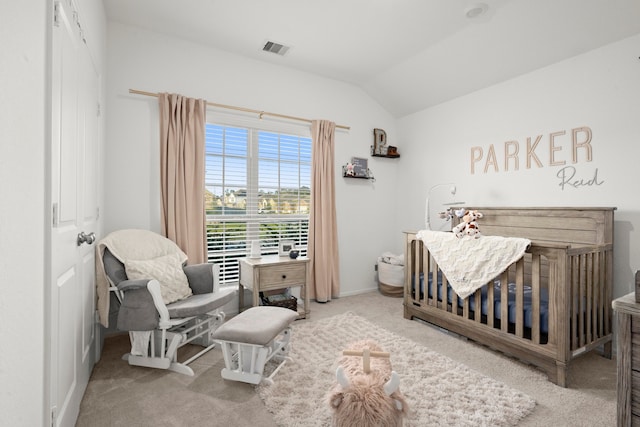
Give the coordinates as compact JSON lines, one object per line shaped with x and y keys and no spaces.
{"x":139,"y":59}
{"x":599,"y":90}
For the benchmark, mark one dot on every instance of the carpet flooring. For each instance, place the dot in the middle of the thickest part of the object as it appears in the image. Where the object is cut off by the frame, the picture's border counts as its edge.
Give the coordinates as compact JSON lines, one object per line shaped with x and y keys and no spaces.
{"x":119,"y":394}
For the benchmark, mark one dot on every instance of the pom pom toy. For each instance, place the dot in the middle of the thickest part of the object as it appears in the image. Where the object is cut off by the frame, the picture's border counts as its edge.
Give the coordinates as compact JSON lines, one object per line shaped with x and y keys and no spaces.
{"x":366,"y":392}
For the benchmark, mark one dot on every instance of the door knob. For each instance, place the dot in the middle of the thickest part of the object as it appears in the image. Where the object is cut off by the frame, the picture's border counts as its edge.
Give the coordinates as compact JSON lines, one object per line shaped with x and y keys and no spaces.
{"x":86,"y":238}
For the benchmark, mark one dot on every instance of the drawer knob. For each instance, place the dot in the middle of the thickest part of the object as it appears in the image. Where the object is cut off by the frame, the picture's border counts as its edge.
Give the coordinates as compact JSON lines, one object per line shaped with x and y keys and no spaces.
{"x":284,"y":276}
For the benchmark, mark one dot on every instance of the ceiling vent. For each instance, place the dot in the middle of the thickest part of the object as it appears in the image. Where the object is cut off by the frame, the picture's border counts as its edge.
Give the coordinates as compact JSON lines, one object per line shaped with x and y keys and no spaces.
{"x":277,"y":48}
{"x":476,"y":10}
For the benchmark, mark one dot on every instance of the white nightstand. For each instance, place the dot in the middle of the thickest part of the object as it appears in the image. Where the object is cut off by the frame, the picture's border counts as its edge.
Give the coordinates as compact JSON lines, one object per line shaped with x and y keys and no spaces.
{"x":274,"y":272}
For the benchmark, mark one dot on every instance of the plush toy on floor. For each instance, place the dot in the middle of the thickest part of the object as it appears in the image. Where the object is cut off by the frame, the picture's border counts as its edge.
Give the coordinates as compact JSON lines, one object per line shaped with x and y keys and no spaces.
{"x":469,"y":225}
{"x":367,"y":390}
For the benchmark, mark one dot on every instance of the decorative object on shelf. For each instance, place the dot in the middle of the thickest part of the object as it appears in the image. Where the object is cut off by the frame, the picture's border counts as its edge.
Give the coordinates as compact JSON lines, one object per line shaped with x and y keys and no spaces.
{"x":380,"y":147}
{"x":293,"y":254}
{"x":360,"y":168}
{"x":349,"y":170}
{"x":285,"y":247}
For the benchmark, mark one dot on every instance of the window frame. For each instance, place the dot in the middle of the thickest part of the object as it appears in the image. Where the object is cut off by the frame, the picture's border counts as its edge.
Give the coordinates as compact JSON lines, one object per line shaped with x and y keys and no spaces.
{"x":252,"y":219}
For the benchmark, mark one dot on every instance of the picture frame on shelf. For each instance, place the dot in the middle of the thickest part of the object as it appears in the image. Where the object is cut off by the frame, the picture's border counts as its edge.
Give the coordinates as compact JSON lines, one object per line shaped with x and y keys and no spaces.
{"x":360,"y":167}
{"x":285,"y":247}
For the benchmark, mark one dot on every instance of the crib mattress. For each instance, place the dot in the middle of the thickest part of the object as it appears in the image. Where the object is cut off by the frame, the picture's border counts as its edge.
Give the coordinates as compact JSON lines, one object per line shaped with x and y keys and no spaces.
{"x":497,"y":303}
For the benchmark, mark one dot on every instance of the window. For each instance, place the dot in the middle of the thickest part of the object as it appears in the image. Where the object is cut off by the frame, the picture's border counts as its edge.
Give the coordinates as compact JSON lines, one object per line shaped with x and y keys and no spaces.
{"x":258,"y":185}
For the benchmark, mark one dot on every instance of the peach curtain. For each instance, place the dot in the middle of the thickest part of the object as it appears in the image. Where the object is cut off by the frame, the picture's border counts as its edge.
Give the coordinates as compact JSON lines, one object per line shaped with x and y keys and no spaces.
{"x":324,"y":267}
{"x":182,"y":157}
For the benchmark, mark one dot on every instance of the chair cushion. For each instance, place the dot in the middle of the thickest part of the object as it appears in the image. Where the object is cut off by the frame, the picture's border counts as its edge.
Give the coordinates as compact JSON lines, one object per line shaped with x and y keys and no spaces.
{"x":257,"y":325}
{"x":166,"y":269}
{"x":200,"y":304}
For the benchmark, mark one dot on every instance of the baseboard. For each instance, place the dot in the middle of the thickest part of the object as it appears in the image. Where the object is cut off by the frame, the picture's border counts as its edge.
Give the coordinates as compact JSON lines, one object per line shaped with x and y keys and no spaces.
{"x":358,"y":292}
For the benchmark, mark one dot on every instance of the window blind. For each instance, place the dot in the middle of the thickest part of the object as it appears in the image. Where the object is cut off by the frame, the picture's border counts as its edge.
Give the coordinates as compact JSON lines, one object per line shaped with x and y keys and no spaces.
{"x":258,"y":187}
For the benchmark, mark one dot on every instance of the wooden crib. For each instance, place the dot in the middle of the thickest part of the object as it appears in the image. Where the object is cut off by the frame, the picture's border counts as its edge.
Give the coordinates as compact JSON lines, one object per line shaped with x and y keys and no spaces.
{"x":558,"y":299}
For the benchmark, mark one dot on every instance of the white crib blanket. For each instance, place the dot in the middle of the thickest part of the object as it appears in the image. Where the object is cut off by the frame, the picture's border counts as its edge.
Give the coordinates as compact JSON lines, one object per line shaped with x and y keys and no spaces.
{"x":470,"y":263}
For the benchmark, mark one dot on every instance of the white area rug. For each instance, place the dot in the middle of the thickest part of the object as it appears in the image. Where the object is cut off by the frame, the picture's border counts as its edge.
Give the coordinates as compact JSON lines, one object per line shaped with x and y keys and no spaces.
{"x":440,"y":391}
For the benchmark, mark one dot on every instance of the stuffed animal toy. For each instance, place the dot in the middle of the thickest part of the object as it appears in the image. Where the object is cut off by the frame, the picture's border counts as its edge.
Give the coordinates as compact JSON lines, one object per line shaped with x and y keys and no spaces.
{"x":469,"y":225}
{"x":366,"y":392}
{"x":349,"y":170}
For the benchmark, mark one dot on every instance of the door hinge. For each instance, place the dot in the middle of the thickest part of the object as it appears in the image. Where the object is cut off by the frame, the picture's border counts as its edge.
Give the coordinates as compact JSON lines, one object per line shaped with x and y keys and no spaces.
{"x":98,"y":109}
{"x":56,"y":14}
{"x":54,"y":214}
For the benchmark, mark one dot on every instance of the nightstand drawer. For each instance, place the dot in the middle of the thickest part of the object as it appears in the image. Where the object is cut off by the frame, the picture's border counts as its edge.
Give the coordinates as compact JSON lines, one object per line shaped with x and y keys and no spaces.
{"x":282,"y":276}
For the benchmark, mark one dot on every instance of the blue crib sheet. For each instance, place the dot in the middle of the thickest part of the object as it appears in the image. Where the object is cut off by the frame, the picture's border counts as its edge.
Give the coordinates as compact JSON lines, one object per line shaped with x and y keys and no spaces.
{"x":544,"y":301}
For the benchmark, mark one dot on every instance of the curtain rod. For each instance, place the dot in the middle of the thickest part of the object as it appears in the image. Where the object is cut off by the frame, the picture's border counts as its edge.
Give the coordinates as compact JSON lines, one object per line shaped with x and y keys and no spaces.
{"x":246,"y":110}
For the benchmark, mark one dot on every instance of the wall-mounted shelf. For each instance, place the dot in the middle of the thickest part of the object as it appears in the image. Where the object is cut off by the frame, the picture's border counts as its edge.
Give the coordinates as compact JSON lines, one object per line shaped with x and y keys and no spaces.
{"x":395,"y":156}
{"x":358,"y":177}
{"x":362,"y":174}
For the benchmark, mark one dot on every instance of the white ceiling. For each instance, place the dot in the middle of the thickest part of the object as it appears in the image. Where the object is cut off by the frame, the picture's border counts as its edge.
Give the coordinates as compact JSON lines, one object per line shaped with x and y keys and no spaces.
{"x":407,"y":54}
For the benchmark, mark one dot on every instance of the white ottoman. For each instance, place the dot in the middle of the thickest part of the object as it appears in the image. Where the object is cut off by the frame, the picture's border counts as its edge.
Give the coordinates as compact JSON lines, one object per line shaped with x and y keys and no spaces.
{"x":251,"y":339}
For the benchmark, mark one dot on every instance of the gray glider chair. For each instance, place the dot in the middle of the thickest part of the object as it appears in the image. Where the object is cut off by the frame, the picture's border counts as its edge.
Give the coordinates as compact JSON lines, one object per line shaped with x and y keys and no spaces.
{"x":164,"y":303}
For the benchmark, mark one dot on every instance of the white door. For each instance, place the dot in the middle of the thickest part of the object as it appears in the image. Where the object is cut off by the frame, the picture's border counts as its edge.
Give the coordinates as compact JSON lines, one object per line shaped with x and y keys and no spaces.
{"x":75,"y":133}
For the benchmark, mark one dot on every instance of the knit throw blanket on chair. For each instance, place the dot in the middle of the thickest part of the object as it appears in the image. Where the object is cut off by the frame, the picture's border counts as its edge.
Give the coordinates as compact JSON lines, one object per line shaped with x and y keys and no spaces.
{"x":145,"y":255}
{"x":470,"y":263}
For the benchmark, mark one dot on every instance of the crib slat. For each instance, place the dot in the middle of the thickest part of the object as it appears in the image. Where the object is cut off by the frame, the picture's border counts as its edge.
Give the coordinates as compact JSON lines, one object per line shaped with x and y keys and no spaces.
{"x":504,"y":301}
{"x":433,"y":300}
{"x":477,"y":312}
{"x":412,"y":271}
{"x":445,"y":294}
{"x":608,"y":290}
{"x":520,"y":297}
{"x":590,"y":305}
{"x":423,"y":267}
{"x":419,"y":250}
{"x":490,"y":307}
{"x":574,"y":310}
{"x":465,"y":306}
{"x":598,"y":277}
{"x":535,"y":298}
{"x":581,"y":301}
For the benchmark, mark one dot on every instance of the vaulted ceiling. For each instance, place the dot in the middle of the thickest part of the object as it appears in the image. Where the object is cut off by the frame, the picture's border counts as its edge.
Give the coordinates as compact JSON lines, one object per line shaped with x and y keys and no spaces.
{"x":407,"y":54}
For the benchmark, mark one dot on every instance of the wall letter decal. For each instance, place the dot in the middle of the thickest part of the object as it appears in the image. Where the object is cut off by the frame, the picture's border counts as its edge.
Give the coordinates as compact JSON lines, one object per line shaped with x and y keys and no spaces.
{"x":476,"y":155}
{"x":581,"y":151}
{"x":531,"y":152}
{"x":553,"y":149}
{"x":491,"y":159}
{"x":586,"y":144}
{"x":508,"y":147}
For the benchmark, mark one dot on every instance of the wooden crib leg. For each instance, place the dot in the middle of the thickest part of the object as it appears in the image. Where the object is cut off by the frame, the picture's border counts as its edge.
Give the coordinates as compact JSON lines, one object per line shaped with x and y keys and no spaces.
{"x":561,"y":374}
{"x":606,"y":352}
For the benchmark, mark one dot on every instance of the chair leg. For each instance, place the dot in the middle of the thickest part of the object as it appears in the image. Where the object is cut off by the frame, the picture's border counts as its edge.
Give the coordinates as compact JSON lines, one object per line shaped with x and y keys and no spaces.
{"x":246,"y":362}
{"x":163,"y":345}
{"x":165,"y":358}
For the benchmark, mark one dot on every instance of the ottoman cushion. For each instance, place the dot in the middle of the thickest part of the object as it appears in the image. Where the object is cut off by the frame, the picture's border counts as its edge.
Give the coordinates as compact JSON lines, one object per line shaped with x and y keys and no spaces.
{"x":257,"y":325}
